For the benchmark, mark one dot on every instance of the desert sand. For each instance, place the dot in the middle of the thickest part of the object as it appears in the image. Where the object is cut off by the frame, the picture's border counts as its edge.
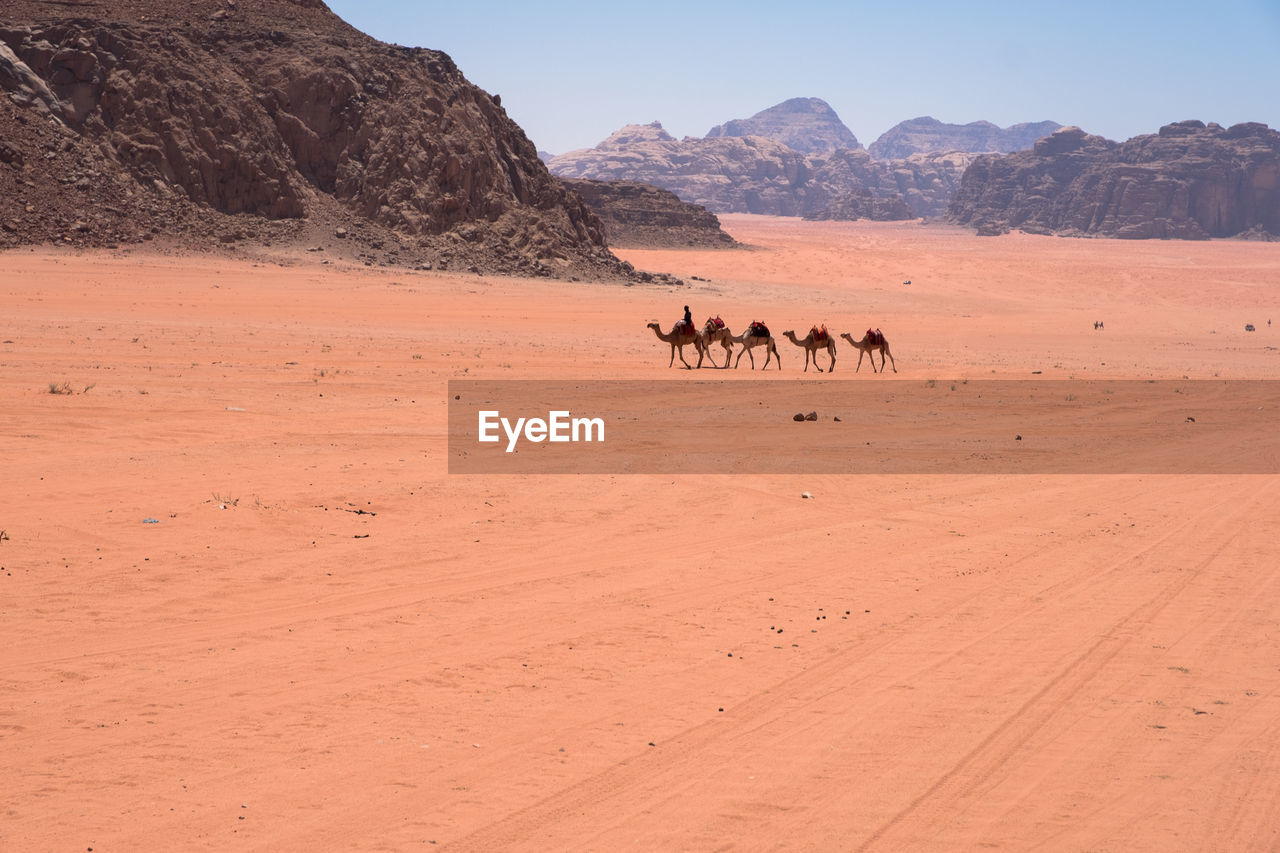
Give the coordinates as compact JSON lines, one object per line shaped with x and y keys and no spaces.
{"x":244,"y":605}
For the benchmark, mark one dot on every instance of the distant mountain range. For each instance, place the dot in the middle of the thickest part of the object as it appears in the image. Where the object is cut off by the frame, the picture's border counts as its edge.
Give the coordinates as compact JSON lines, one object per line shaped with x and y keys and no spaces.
{"x":807,"y":125}
{"x":927,"y":135}
{"x":797,"y":159}
{"x":1190,"y":180}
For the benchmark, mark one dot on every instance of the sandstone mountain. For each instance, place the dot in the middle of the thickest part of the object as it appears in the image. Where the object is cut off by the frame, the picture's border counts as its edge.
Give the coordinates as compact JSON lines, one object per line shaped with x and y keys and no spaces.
{"x":1190,"y":180}
{"x":640,"y":215}
{"x":251,"y":121}
{"x":927,"y":135}
{"x":755,"y":174}
{"x":807,"y":125}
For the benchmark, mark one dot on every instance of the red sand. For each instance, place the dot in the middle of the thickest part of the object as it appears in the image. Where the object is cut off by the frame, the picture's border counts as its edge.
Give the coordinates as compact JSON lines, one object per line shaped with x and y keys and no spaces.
{"x":326,"y":642}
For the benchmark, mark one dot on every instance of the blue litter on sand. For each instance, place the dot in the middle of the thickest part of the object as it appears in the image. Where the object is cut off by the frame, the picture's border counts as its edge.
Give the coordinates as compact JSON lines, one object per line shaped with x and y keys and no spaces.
{"x":150,"y":521}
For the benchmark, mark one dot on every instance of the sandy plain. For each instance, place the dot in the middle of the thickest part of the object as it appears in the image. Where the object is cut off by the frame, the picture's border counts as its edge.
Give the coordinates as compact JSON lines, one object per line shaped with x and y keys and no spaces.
{"x":243,"y":605}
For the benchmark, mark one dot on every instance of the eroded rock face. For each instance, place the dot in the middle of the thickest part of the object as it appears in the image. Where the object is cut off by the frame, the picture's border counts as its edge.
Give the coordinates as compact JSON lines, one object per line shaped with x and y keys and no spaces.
{"x":274,"y":109}
{"x":752,"y":174}
{"x":725,"y":175}
{"x":640,"y":215}
{"x":1189,"y":181}
{"x":927,"y":135}
{"x":807,"y":125}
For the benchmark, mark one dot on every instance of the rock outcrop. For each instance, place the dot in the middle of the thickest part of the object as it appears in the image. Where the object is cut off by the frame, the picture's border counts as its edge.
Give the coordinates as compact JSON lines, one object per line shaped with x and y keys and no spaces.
{"x":754,"y":174}
{"x":919,"y":186}
{"x":1189,"y":181}
{"x":641,"y":215}
{"x":807,"y":125}
{"x":725,"y":175}
{"x":927,"y":135}
{"x":126,"y":119}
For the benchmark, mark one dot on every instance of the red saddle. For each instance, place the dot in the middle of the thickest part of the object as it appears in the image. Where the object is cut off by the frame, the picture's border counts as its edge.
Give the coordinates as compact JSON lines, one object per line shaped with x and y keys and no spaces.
{"x":820,"y":335}
{"x":758,"y":329}
{"x":875,"y":337}
{"x":715,"y":322}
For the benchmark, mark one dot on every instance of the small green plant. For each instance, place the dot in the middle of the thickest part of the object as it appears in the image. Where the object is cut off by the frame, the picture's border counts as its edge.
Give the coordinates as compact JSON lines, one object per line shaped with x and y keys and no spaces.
{"x":64,"y":388}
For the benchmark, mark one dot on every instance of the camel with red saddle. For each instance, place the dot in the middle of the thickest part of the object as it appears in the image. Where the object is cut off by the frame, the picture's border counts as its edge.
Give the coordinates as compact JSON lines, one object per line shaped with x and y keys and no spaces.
{"x":680,"y":336}
{"x":756,"y":335}
{"x":872,"y":342}
{"x":715,"y":331}
{"x":818,"y":338}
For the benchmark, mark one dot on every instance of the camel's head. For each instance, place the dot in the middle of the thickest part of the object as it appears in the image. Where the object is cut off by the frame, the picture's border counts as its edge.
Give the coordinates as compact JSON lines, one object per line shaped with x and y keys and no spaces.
{"x":848,"y":337}
{"x":789,"y":334}
{"x":653,"y":326}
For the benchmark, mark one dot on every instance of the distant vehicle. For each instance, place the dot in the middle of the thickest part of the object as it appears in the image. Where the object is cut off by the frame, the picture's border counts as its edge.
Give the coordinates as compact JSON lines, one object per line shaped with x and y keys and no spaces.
{"x":1248,"y":327}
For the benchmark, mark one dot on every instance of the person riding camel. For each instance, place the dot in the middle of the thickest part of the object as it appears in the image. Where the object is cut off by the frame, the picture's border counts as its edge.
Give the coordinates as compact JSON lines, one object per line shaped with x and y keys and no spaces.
{"x":688,"y":320}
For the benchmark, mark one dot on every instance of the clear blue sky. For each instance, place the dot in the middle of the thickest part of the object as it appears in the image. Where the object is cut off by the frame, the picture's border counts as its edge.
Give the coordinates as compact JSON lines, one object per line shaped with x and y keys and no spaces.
{"x":570,"y":73}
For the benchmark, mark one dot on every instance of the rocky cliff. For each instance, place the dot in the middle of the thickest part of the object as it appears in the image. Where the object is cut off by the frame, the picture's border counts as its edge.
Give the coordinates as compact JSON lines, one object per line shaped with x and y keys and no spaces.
{"x":1190,"y":181}
{"x":927,"y":135}
{"x":641,"y":215}
{"x":754,"y":174}
{"x":238,"y":119}
{"x":807,"y":125}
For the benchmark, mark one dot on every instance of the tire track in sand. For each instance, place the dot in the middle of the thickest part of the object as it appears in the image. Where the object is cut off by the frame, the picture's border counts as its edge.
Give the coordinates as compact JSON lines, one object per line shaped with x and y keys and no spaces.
{"x":985,"y":760}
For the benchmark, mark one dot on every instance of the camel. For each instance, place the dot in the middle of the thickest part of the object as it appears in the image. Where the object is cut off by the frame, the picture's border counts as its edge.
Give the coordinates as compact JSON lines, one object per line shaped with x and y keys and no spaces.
{"x":811,"y":346}
{"x":868,"y":347}
{"x":750,"y":342}
{"x":710,"y":334}
{"x":679,"y":340}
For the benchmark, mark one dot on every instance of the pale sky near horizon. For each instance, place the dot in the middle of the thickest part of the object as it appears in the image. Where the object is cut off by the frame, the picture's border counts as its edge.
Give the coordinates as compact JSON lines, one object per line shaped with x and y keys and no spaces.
{"x":571,"y":72}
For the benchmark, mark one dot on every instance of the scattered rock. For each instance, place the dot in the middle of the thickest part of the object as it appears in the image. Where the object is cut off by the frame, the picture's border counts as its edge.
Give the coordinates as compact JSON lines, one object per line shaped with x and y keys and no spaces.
{"x":806,"y":495}
{"x":812,"y":416}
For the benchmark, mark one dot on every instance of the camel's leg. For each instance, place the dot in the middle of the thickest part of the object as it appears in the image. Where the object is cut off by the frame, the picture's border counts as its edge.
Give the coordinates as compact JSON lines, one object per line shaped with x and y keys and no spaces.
{"x":776,"y":357}
{"x":673,"y":356}
{"x":740,"y":352}
{"x":831,"y":351}
{"x":885,"y":352}
{"x":728,"y":351}
{"x":686,"y":364}
{"x":815,"y":360}
{"x":859,"y":367}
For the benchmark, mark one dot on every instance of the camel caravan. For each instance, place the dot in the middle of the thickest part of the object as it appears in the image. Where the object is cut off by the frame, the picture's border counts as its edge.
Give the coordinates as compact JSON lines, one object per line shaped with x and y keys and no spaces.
{"x":757,"y":334}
